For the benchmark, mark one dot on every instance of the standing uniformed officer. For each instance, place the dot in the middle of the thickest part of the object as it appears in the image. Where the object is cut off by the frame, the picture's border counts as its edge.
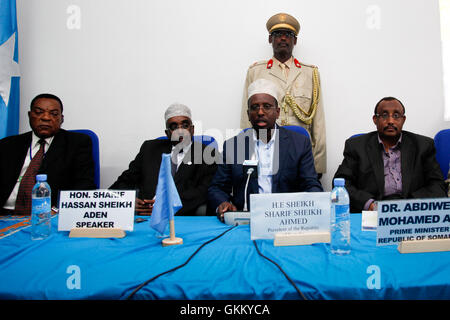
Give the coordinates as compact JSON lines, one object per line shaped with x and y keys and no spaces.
{"x":302,"y":103}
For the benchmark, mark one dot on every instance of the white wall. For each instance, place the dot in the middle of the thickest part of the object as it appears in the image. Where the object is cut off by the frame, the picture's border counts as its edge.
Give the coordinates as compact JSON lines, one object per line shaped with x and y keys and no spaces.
{"x":130,"y":59}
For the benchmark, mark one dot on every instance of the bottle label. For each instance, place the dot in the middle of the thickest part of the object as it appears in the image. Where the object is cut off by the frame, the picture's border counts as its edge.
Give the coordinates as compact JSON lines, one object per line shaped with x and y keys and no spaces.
{"x":40,"y":205}
{"x":341,"y":210}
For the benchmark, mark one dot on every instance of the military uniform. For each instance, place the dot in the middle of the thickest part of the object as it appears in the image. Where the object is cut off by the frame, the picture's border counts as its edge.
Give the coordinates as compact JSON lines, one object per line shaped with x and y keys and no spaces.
{"x":301,"y":101}
{"x":297,"y":79}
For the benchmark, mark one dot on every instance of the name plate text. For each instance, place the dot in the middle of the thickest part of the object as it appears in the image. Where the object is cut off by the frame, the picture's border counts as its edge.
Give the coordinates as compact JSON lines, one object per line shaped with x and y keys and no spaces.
{"x":301,"y":212}
{"x":96,"y":209}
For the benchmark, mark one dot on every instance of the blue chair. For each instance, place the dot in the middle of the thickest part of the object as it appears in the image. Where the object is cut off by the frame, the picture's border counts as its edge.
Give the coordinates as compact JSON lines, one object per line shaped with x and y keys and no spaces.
{"x":297,"y":129}
{"x":95,"y":153}
{"x":357,"y":134}
{"x":206,"y":140}
{"x":442,"y":143}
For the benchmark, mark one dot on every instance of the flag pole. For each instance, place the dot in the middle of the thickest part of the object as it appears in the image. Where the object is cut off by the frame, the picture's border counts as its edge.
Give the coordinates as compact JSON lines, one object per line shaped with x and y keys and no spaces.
{"x":167,"y":202}
{"x":172,"y":240}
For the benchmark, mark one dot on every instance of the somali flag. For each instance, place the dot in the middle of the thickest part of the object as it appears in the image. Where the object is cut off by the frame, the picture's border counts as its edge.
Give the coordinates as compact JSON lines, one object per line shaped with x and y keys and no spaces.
{"x":9,"y":70}
{"x":167,"y":199}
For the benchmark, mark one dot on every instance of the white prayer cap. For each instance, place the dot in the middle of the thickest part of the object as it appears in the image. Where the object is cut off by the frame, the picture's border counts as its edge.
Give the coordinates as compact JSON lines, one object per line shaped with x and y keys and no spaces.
{"x":264,"y":86}
{"x":177,"y":109}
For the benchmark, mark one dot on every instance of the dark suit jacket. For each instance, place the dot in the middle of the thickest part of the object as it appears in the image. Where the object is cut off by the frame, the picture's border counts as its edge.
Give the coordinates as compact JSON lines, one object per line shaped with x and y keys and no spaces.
{"x":68,"y":163}
{"x":363,"y":169}
{"x":192,"y":180}
{"x":295,"y":172}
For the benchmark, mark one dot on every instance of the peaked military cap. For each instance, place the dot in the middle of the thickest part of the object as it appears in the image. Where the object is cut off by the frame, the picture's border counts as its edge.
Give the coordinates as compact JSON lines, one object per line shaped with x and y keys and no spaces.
{"x":283,"y":21}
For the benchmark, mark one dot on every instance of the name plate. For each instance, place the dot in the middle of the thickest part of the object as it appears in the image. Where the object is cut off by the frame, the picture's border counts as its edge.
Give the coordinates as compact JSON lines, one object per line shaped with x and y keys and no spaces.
{"x":302,"y":212}
{"x":93,"y":209}
{"x":407,"y":220}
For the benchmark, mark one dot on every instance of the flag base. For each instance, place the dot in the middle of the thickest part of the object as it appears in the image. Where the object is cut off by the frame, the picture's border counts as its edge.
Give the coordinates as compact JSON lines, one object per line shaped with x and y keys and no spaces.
{"x":171,"y":241}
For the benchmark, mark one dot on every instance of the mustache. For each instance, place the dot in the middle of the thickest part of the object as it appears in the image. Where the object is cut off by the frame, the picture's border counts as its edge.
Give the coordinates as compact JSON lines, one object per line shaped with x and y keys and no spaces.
{"x":260,"y":119}
{"x":390,"y":127}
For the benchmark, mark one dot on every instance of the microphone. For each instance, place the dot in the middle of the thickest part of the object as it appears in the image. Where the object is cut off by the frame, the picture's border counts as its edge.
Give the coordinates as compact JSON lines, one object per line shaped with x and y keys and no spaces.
{"x":234,"y":218}
{"x":250,"y":168}
{"x":249,"y":172}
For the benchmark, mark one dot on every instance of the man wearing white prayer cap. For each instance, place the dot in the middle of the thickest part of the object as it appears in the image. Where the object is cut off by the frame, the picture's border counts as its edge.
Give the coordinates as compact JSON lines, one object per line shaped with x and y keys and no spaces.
{"x":191,"y":173}
{"x":179,"y":124}
{"x":263,"y":110}
{"x":264,"y":86}
{"x":284,"y":158}
{"x":177,"y":109}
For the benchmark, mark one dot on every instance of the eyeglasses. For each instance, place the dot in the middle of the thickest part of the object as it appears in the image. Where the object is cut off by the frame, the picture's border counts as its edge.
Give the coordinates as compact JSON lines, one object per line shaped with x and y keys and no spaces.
{"x":174,"y":126}
{"x":385,"y":116}
{"x":266,"y":107}
{"x":280,"y":33}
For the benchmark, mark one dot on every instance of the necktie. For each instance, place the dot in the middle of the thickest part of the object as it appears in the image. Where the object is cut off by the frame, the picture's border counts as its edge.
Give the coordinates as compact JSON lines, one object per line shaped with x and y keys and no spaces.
{"x":285,"y":70}
{"x":23,"y":200}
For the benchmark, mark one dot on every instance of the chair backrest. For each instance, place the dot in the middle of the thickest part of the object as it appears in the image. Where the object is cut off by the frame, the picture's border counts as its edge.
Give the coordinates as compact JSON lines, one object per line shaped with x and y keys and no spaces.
{"x":206,"y":140}
{"x":356,"y":135}
{"x":442,"y":143}
{"x":298,"y":129}
{"x":95,"y":152}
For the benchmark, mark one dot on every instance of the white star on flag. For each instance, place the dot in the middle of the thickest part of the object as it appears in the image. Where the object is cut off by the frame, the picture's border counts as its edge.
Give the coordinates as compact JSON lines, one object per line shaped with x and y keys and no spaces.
{"x":8,"y":67}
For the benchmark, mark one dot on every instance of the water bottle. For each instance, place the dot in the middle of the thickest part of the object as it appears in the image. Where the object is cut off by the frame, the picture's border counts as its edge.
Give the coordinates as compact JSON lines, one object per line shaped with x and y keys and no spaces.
{"x":340,"y":218}
{"x":40,"y":208}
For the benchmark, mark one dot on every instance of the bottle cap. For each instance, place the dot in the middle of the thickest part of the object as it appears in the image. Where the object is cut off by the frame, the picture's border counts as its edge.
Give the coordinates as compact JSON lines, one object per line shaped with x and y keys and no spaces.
{"x":339,"y":182}
{"x":41,"y":177}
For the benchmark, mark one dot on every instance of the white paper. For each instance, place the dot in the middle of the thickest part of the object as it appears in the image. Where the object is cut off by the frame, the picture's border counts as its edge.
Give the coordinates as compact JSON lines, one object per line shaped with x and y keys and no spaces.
{"x":369,"y":221}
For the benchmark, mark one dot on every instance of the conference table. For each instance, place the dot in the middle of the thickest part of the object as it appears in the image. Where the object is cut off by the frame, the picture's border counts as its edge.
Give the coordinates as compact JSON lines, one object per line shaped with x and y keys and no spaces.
{"x":226,"y":267}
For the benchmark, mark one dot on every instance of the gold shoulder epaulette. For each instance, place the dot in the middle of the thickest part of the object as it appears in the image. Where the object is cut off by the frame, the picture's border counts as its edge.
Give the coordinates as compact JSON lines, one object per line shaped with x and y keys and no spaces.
{"x":257,"y":63}
{"x":308,"y":65}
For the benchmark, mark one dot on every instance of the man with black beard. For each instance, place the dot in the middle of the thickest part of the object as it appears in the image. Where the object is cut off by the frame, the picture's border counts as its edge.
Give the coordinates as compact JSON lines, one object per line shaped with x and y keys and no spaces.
{"x":284,"y":157}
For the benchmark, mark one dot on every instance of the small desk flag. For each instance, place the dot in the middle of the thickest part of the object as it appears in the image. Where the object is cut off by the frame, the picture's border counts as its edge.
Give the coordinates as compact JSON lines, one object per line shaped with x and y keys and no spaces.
{"x":167,"y":200}
{"x":9,"y":70}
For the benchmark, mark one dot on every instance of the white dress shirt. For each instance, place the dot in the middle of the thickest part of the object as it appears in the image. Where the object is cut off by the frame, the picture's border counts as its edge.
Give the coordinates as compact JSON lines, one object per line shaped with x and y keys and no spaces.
{"x":264,"y":153}
{"x":181,"y":154}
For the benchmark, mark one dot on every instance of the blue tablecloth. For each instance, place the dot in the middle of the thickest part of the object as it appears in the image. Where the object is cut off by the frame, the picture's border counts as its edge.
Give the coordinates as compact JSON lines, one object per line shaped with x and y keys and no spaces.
{"x":228,"y":268}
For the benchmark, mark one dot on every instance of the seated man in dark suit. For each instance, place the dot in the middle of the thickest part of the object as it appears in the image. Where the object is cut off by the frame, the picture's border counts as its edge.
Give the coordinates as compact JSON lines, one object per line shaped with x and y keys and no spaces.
{"x":192,"y":174}
{"x":66,"y":158}
{"x":389,"y":163}
{"x":285,"y":160}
